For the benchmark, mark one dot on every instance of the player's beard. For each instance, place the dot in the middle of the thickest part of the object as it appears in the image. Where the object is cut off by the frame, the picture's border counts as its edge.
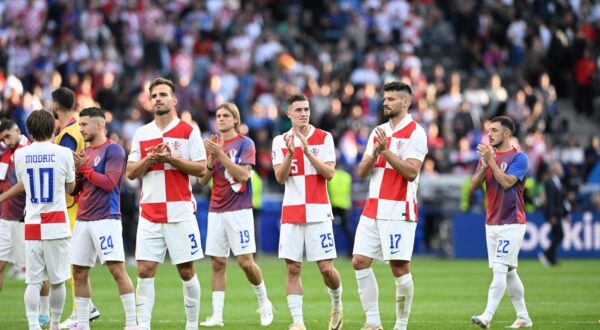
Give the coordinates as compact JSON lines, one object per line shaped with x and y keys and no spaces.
{"x":161,"y":112}
{"x":389,"y":113}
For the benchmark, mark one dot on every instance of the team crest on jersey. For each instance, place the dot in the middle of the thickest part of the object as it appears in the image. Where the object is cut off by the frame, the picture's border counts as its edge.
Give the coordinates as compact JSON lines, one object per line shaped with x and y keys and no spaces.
{"x":96,"y":161}
{"x":274,"y":154}
{"x":503,"y":166}
{"x":176,"y":145}
{"x":399,"y":145}
{"x":232,"y":155}
{"x":315,"y":151}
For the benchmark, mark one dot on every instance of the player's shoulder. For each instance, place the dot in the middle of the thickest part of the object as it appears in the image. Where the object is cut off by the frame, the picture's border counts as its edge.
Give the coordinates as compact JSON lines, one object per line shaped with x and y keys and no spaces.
{"x":113,"y":147}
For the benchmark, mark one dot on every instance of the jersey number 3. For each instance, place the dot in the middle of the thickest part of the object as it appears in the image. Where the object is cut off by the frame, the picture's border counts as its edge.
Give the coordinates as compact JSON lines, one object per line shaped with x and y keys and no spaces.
{"x":44,"y":180}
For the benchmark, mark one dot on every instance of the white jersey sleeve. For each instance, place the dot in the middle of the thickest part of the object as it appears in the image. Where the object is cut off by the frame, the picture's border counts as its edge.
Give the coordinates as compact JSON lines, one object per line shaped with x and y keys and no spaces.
{"x":277,"y":148}
{"x":328,"y":154}
{"x":370,"y":144}
{"x":135,"y":154}
{"x":417,"y":145}
{"x":197,"y":151}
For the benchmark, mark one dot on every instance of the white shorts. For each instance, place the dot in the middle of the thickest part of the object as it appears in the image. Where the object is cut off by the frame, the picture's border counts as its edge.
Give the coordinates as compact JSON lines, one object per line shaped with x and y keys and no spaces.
{"x":46,"y":260}
{"x":504,"y":243}
{"x":102,"y":238}
{"x":182,"y":239}
{"x":315,"y":238}
{"x":385,"y":239}
{"x":230,"y":230}
{"x":12,"y":242}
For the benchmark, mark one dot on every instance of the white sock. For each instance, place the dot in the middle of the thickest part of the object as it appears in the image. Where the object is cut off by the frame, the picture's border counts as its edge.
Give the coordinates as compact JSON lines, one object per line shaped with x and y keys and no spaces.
{"x":128,"y":301}
{"x":516,"y":292}
{"x":58,"y":293}
{"x":91,"y":305}
{"x":32,"y":304}
{"x":261,"y":293}
{"x":145,"y":301}
{"x":45,"y":305}
{"x":83,"y":312}
{"x":218,"y":301}
{"x":368,"y":292}
{"x":336,"y":297}
{"x":404,"y":295}
{"x":496,"y":290}
{"x":295,"y":305}
{"x":191,"y":300}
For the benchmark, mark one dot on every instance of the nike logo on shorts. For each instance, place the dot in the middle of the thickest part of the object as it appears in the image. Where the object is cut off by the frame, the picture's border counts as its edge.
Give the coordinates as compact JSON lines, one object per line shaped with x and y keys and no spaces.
{"x":327,"y":251}
{"x":394,"y":252}
{"x":195,"y":251}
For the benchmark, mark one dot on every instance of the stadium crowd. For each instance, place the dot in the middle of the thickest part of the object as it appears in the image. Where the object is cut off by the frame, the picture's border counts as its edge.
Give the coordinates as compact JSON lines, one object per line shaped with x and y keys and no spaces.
{"x":466,"y":61}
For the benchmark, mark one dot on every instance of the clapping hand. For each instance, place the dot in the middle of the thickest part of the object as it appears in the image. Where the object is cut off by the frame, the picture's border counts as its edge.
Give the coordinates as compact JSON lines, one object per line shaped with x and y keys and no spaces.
{"x":79,"y":159}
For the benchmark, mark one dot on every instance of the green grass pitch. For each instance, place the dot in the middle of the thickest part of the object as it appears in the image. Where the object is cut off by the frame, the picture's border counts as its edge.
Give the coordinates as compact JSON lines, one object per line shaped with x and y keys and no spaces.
{"x":447,"y":293}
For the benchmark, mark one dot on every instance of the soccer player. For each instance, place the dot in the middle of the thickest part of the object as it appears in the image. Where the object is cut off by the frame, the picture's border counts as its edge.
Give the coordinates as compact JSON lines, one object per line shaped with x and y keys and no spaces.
{"x":386,"y":230}
{"x":303,"y":160}
{"x":69,"y":136}
{"x":165,"y":153}
{"x":231,"y":157}
{"x":45,"y":172}
{"x":503,"y":168}
{"x":98,"y":230}
{"x":12,"y":226}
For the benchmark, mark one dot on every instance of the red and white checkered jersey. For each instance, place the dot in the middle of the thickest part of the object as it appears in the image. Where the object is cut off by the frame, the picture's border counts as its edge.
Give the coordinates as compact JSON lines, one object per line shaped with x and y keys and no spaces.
{"x":44,"y":168}
{"x":305,"y":198}
{"x":391,"y":196}
{"x":167,"y":191}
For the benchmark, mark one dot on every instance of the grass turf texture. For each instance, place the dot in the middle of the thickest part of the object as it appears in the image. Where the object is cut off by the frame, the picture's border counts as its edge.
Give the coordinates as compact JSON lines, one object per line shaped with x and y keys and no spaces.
{"x":447,"y":293}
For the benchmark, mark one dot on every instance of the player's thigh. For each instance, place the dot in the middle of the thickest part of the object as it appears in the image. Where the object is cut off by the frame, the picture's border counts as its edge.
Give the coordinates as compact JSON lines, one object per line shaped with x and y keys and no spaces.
{"x":397,"y":239}
{"x":18,"y":243}
{"x":6,"y":246}
{"x":366,"y":239}
{"x":217,"y":244}
{"x":150,"y":241}
{"x":107,"y":235}
{"x":35,"y":267}
{"x":239,"y":226}
{"x":183,"y":241}
{"x":291,"y":241}
{"x":491,"y":241}
{"x":510,"y":239}
{"x":83,"y":252}
{"x":58,"y":267}
{"x":319,"y":241}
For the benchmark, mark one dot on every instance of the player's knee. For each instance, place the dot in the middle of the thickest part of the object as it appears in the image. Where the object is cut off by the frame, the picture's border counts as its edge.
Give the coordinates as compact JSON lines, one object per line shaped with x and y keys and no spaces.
{"x":294,"y":269}
{"x":360,"y":262}
{"x":186,"y":273}
{"x":246,"y":264}
{"x":327,"y":271}
{"x":219,"y":264}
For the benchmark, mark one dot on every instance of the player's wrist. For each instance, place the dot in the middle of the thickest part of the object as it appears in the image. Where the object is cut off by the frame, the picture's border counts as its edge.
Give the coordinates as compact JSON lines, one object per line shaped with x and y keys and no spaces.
{"x":209,"y":167}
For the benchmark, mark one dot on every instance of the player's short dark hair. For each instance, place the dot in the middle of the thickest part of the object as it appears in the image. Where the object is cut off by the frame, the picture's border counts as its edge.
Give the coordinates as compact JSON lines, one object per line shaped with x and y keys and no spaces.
{"x":506,"y":122}
{"x":65,"y":98}
{"x":396,"y":86}
{"x":161,"y":81}
{"x":92,"y":112}
{"x":296,"y":98}
{"x":7,"y":124}
{"x":40,"y":125}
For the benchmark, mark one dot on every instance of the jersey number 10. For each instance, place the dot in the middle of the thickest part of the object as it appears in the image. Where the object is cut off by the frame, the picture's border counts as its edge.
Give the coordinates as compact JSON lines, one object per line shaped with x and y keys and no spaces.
{"x":45,"y":178}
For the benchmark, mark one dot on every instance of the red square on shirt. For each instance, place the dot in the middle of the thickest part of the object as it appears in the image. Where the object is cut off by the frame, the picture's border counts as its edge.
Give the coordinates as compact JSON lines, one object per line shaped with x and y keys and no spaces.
{"x":176,"y":186}
{"x":147,"y":147}
{"x":316,"y":189}
{"x":393,"y":186}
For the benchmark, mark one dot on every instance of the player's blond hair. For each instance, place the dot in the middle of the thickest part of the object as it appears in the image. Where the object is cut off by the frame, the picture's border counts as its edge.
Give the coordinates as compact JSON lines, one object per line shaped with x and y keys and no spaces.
{"x":235,"y":112}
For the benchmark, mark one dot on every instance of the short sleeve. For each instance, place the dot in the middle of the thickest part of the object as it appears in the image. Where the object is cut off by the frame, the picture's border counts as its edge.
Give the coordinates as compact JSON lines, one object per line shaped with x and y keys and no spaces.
{"x":328,"y":152}
{"x":277,"y":150}
{"x":68,"y":141}
{"x":248,"y":152}
{"x":135,"y":154}
{"x":370,"y":142}
{"x":197,"y":151}
{"x":519,"y":166}
{"x":70,"y":175}
{"x":417,"y":145}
